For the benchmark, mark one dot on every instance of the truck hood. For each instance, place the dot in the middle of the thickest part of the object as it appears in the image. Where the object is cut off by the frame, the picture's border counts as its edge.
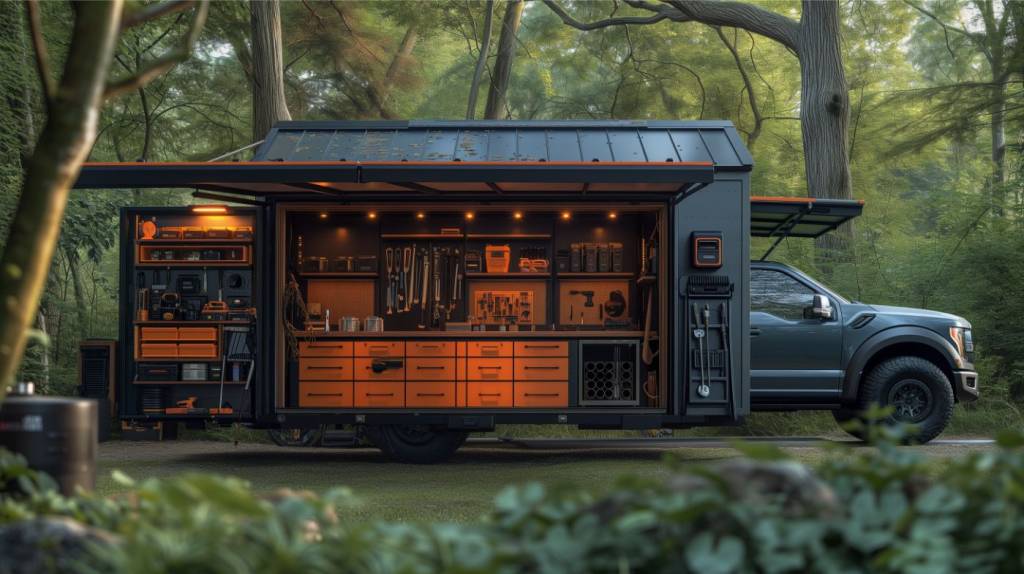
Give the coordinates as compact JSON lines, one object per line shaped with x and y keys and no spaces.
{"x":921,"y":313}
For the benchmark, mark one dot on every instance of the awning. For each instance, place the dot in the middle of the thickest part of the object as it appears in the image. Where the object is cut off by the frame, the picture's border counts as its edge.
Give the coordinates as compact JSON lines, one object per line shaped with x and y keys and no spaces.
{"x":782,"y":217}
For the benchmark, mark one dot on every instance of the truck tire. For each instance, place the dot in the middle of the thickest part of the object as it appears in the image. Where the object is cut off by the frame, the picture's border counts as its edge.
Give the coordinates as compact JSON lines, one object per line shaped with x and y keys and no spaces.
{"x":916,"y":388}
{"x":416,"y":444}
{"x":296,"y":437}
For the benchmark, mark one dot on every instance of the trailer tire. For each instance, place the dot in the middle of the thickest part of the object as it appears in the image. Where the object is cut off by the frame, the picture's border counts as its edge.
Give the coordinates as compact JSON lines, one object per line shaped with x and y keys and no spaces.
{"x":416,"y":444}
{"x":917,"y":389}
{"x":296,"y":437}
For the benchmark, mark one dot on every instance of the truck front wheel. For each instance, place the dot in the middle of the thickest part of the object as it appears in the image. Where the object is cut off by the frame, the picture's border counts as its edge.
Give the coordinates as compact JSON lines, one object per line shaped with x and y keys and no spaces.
{"x":916,"y":389}
{"x":416,"y":444}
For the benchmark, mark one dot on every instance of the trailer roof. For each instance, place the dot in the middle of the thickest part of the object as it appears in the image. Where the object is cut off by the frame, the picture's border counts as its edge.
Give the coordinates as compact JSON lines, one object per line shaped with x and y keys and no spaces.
{"x":342,"y":158}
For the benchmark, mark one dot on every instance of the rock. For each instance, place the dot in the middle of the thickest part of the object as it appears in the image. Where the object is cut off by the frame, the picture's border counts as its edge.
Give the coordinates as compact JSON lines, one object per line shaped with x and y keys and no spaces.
{"x":48,"y":545}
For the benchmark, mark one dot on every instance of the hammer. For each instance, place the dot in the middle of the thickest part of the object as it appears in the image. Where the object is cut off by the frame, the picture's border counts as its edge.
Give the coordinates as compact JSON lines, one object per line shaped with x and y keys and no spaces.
{"x":588,"y":294}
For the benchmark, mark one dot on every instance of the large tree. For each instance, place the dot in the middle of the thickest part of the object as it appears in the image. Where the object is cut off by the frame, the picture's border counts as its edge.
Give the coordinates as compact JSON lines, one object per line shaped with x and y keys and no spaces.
{"x":268,"y":102}
{"x":814,"y":39}
{"x":72,"y":105}
{"x":497,"y":97}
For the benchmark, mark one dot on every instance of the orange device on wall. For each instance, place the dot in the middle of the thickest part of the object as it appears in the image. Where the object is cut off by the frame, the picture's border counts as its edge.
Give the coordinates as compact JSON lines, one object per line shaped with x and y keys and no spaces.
{"x":707,"y":249}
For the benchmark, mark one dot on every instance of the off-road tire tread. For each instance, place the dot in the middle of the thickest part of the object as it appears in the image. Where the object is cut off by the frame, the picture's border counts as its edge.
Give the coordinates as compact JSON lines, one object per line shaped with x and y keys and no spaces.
{"x":942,"y":391}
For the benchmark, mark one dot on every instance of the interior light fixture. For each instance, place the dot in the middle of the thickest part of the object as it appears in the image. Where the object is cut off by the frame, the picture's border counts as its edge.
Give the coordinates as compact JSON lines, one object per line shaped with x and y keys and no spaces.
{"x":323,"y":215}
{"x":566,"y":216}
{"x":613,"y":215}
{"x":372,"y":215}
{"x":470,"y":215}
{"x":421,"y":215}
{"x":517,"y":215}
{"x":209,"y":209}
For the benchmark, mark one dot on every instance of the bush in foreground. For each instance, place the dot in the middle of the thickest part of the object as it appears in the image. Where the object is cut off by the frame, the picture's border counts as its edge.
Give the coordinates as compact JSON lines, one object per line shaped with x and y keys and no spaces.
{"x":869,"y":510}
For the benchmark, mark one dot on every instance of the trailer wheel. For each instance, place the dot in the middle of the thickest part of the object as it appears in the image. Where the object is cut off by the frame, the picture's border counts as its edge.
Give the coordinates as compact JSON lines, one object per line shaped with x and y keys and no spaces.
{"x":296,"y":437}
{"x":916,"y":389}
{"x":416,"y":444}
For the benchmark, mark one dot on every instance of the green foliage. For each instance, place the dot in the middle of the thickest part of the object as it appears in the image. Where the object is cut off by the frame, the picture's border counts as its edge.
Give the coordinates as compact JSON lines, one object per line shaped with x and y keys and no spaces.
{"x":877,"y":510}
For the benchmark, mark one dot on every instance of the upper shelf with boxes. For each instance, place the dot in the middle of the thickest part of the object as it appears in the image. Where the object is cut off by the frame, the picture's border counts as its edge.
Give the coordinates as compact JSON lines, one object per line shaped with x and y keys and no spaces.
{"x":482,"y":268}
{"x":194,"y":326}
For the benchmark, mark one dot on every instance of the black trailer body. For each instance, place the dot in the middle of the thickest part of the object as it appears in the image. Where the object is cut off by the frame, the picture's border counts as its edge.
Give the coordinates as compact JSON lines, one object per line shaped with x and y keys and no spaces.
{"x":586,"y":273}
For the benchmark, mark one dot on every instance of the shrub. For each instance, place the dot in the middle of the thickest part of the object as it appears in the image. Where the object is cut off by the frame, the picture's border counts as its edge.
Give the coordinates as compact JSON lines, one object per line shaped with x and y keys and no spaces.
{"x":887,"y":509}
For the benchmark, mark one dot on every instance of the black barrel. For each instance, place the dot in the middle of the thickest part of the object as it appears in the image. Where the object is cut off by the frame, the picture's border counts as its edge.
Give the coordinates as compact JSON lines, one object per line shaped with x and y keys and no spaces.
{"x":56,"y":435}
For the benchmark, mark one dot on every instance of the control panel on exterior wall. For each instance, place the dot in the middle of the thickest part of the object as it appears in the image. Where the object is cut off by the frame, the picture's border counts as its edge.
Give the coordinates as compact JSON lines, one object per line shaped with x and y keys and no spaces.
{"x":193,"y":327}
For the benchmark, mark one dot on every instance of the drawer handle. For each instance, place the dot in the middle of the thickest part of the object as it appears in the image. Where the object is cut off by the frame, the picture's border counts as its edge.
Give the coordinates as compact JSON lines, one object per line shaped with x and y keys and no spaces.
{"x":541,"y":394}
{"x":325,"y":394}
{"x":429,"y":368}
{"x":528,"y":346}
{"x":324,"y":346}
{"x":380,"y":394}
{"x":540,"y":368}
{"x":378,"y":347}
{"x":485,"y":367}
{"x":381,"y":366}
{"x":429,"y":394}
{"x":422,"y":346}
{"x":488,"y":394}
{"x":319,"y":368}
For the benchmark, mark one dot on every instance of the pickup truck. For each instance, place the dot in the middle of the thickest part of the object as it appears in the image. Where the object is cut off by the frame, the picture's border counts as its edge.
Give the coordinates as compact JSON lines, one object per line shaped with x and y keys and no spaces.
{"x":813,"y":349}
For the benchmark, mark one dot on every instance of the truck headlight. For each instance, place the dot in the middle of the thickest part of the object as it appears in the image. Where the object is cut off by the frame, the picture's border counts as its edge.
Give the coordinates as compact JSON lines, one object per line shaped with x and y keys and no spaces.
{"x":964,"y":341}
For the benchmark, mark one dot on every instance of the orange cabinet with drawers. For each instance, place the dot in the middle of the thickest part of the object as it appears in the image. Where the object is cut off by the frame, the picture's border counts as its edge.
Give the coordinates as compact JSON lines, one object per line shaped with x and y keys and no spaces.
{"x":325,"y":348}
{"x":379,"y":369}
{"x":541,"y":369}
{"x":430,"y":394}
{"x":197,"y":333}
{"x":495,"y":395}
{"x":159,"y":334}
{"x":158,"y":350}
{"x":430,"y":369}
{"x":391,"y":349}
{"x":489,"y":348}
{"x":325,"y":369}
{"x":430,"y":349}
{"x":486,"y":369}
{"x":379,"y":394}
{"x":542,"y":348}
{"x":197,"y":350}
{"x":541,"y":395}
{"x":334,"y":394}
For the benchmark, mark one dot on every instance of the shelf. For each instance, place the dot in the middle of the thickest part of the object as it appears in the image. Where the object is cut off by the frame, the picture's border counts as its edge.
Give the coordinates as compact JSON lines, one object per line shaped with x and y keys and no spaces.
{"x":422,"y":236}
{"x":191,"y":323}
{"x":510,"y":236}
{"x":510,"y":275}
{"x":339,"y":275}
{"x":193,"y":263}
{"x":600,"y":275}
{"x":646,"y":279}
{"x":191,"y":241}
{"x":187,"y":383}
{"x":455,"y":335}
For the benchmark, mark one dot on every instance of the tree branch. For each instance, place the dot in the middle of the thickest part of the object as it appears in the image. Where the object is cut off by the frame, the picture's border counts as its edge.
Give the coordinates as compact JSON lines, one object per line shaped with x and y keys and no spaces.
{"x":154,"y":11}
{"x":755,"y":109}
{"x":39,"y":47}
{"x":661,"y":13}
{"x":744,"y":16}
{"x":161,"y":65}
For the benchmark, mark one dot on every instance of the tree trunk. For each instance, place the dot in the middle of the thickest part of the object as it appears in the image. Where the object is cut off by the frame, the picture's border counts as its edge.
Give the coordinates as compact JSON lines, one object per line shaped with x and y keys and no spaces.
{"x":998,"y":129}
{"x":379,"y":92}
{"x":481,"y":61}
{"x":63,"y":145}
{"x":268,"y":101}
{"x":825,"y":115}
{"x":81,"y":307}
{"x":44,"y":353}
{"x":497,"y":98}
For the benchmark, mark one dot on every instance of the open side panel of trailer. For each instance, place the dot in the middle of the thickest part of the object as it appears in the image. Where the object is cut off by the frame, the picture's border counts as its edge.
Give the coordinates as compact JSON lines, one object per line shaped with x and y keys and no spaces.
{"x":449,"y":274}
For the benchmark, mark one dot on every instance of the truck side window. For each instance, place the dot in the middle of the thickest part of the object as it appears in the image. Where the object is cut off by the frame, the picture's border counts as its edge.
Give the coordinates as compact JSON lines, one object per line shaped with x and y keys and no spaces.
{"x":778,"y":294}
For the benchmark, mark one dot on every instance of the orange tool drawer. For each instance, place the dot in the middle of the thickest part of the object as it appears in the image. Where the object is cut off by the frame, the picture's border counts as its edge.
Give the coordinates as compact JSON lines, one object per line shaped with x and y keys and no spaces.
{"x":159,"y":334}
{"x":325,"y":348}
{"x":387,"y":369}
{"x":198,"y":350}
{"x":380,"y":395}
{"x":197,"y":333}
{"x":325,"y":369}
{"x":489,"y":395}
{"x":395,"y":349}
{"x":542,"y":369}
{"x":430,"y":369}
{"x":430,"y":349}
{"x":489,"y":369}
{"x":430,"y":395}
{"x":542,"y":348}
{"x":490,"y":348}
{"x":320,"y":394}
{"x":541,"y":394}
{"x":158,"y":350}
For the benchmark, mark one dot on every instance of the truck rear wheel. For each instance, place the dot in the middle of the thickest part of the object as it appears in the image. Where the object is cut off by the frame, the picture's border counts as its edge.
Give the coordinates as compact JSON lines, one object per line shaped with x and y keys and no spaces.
{"x":916,"y":389}
{"x":416,"y":444}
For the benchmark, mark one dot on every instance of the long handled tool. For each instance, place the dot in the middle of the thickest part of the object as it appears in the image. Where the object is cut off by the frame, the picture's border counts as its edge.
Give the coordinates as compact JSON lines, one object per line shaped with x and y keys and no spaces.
{"x":406,"y":267}
{"x":389,"y":264}
{"x":703,"y":389}
{"x":647,"y":353}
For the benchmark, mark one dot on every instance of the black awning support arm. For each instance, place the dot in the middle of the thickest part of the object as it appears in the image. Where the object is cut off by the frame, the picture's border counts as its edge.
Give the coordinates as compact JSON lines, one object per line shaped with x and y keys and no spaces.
{"x":688,"y":190}
{"x":226,"y":197}
{"x":783,"y":229}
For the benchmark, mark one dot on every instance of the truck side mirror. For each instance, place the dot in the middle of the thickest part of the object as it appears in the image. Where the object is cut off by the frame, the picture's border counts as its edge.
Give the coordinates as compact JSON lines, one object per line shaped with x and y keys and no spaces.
{"x":821,"y":308}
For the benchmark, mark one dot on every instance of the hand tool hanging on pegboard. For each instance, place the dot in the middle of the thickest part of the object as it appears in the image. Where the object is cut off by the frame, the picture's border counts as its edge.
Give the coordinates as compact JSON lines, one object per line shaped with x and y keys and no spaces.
{"x":406,"y":267}
{"x":389,"y":266}
{"x":435,"y":262}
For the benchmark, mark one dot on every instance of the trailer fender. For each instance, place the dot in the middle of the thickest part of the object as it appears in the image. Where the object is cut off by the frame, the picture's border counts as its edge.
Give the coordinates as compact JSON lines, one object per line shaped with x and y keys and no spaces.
{"x":888,"y":338}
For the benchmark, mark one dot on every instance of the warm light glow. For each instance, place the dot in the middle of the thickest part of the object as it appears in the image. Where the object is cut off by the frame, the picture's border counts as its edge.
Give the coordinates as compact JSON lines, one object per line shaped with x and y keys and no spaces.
{"x":566,"y":215}
{"x":612,"y":215}
{"x":209,"y":209}
{"x":372,"y":215}
{"x":420,"y":215}
{"x":518,"y":215}
{"x":469,"y":215}
{"x":323,"y":215}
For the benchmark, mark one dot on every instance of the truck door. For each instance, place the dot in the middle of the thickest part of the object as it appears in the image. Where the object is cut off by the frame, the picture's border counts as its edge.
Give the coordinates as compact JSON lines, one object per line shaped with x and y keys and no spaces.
{"x":792,"y":358}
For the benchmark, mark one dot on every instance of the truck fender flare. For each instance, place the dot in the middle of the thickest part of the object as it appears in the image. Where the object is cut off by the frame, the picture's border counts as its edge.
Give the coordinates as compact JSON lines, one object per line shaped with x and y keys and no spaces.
{"x":885,"y":339}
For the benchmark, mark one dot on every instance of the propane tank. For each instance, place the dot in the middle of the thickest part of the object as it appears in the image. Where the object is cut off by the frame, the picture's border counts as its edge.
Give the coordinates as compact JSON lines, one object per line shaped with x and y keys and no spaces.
{"x":56,"y":435}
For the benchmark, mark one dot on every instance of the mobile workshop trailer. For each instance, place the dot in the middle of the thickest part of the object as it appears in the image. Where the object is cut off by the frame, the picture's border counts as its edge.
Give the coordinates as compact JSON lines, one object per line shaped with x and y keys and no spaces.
{"x":426,"y":279}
